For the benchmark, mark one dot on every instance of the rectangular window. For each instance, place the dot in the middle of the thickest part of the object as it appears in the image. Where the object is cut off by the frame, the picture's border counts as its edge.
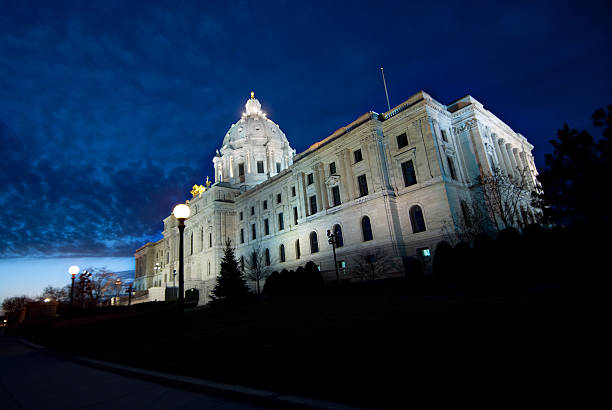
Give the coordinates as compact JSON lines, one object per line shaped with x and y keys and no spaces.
{"x":295,"y":215}
{"x":363,"y":185}
{"x":309,"y":179}
{"x":241,"y":172}
{"x":451,"y":168}
{"x":278,"y":166}
{"x":336,"y":195}
{"x":279,"y":198}
{"x":423,"y":252}
{"x":402,"y":140}
{"x":253,"y":232}
{"x":241,"y":235}
{"x":266,"y":227}
{"x":260,"y":168}
{"x":281,"y":222}
{"x":332,"y":168}
{"x":408,"y":173}
{"x":241,"y":215}
{"x":292,"y":191}
{"x":444,"y":136}
{"x":358,"y":156}
{"x":252,"y":210}
{"x":313,"y":205}
{"x":265,"y":204}
{"x":210,"y":240}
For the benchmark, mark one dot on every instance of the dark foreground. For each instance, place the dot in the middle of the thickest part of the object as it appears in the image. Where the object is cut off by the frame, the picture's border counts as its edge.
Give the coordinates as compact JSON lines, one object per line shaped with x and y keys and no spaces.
{"x":382,"y":346}
{"x":30,"y":379}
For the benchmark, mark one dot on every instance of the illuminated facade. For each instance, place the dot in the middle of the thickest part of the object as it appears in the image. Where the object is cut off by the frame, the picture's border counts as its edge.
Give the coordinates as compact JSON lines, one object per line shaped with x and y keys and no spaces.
{"x":389,"y":184}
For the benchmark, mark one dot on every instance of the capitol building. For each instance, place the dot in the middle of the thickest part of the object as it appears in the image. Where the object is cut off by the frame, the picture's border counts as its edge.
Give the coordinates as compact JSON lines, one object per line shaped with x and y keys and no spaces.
{"x":390,"y":184}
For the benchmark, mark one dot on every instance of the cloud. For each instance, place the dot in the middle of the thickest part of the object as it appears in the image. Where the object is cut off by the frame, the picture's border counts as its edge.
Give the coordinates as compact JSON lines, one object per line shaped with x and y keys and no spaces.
{"x":83,"y":208}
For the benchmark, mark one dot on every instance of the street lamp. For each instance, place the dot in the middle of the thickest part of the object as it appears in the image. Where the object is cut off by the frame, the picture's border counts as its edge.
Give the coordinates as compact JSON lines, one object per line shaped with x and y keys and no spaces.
{"x":333,"y":241}
{"x":173,"y":284}
{"x":181,"y":212}
{"x":118,"y":285}
{"x":73,"y":270}
{"x":157,"y":269}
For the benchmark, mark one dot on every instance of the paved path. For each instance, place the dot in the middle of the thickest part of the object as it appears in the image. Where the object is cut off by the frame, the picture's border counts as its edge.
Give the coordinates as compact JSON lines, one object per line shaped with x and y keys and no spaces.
{"x":32,"y":379}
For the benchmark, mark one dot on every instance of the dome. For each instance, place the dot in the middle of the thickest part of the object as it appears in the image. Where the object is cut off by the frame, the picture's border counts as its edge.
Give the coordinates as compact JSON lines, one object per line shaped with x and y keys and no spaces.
{"x":254,"y":149}
{"x":253,"y":125}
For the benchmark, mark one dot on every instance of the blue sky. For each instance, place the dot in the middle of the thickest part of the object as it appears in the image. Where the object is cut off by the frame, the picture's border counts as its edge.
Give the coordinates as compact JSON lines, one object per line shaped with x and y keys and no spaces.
{"x":111,"y":110}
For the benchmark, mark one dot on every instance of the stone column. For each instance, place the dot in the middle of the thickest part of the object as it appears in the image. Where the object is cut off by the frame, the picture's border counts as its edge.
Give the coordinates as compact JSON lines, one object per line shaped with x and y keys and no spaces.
{"x":343,"y":177}
{"x":526,"y":168}
{"x":500,"y":159}
{"x":521,"y":169}
{"x":504,"y":152}
{"x":513,"y":163}
{"x":318,"y":187}
{"x":302,"y":194}
{"x":349,"y":181}
{"x":324,"y":190}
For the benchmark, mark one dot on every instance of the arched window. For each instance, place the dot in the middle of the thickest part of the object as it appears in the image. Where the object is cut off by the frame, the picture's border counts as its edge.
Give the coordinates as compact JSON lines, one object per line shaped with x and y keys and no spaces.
{"x":314,"y":242}
{"x":416,"y":219}
{"x":338,"y":235}
{"x":297,"y":249}
{"x":281,"y":252}
{"x":366,"y":229}
{"x":267,"y":257}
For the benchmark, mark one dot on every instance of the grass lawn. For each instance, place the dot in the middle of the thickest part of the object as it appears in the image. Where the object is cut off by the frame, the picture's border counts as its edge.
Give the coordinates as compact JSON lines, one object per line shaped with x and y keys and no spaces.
{"x":381,"y":346}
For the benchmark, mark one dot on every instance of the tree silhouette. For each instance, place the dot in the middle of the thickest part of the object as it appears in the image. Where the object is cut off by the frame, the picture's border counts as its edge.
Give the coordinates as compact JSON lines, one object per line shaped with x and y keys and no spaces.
{"x":257,"y":267}
{"x":572,"y":179}
{"x":231,"y":285}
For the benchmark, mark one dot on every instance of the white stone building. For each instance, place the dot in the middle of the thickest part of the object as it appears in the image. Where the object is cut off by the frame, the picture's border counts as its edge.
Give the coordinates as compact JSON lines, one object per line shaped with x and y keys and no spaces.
{"x":389,"y":183}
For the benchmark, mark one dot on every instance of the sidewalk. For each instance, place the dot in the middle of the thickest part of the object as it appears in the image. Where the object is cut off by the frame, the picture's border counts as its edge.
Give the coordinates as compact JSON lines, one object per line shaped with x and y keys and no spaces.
{"x":31,"y":378}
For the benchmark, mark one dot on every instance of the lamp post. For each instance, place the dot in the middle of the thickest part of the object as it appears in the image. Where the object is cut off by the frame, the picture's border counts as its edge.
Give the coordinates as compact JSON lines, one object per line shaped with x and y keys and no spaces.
{"x":173,"y":284}
{"x":118,"y":285}
{"x":73,"y":270}
{"x":332,"y":240}
{"x":181,"y":212}
{"x":157,"y":268}
{"x":130,"y":289}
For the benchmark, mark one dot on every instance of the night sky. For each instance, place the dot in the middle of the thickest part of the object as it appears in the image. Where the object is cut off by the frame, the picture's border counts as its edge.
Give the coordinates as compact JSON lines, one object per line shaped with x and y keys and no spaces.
{"x":111,"y":110}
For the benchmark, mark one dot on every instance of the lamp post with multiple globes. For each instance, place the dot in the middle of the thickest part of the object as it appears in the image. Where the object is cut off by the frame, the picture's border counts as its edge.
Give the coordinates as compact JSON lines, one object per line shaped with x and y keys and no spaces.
{"x":73,"y":270}
{"x":181,"y":212}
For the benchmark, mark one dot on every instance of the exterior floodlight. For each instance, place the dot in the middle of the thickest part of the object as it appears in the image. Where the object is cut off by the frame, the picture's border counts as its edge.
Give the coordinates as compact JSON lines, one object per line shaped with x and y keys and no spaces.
{"x":181,"y":211}
{"x":73,"y":270}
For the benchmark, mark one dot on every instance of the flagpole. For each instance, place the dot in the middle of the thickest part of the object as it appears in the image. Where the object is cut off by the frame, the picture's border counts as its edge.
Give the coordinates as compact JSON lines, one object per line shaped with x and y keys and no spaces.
{"x":385,"y":84}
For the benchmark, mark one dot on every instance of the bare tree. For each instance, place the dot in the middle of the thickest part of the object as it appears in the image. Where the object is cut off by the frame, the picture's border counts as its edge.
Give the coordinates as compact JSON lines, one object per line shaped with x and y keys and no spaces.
{"x":56,"y":294}
{"x":376,"y":265}
{"x":92,"y":285}
{"x":504,"y":197}
{"x":257,"y":265}
{"x":15,"y":304}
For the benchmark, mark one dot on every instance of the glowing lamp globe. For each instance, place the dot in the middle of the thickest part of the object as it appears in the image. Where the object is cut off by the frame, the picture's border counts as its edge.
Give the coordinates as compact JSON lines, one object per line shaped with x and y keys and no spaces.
{"x":73,"y":270}
{"x":181,"y":211}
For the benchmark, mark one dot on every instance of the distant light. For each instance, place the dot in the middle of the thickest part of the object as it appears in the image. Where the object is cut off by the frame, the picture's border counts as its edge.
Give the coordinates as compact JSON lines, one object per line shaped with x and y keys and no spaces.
{"x":47,"y":300}
{"x":73,"y":270}
{"x":181,"y":211}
